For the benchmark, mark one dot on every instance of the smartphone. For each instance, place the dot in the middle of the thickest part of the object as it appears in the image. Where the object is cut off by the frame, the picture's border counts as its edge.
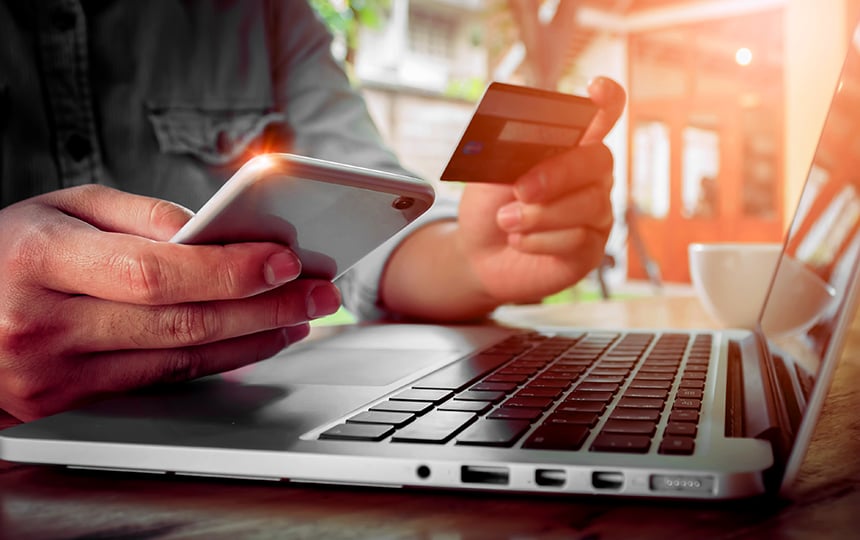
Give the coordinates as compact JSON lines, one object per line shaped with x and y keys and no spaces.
{"x":513,"y":129}
{"x":330,"y":214}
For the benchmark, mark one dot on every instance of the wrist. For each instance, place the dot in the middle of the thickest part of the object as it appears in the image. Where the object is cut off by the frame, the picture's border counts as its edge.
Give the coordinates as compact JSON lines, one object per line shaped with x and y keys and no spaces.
{"x":431,"y":276}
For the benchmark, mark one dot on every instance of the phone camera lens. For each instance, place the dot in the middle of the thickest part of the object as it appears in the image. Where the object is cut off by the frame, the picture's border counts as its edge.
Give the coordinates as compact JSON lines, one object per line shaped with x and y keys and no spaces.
{"x":402,"y":203}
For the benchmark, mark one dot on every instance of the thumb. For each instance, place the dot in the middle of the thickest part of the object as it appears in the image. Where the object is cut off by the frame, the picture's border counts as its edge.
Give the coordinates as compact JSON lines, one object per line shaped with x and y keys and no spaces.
{"x":610,"y":97}
{"x":112,"y":210}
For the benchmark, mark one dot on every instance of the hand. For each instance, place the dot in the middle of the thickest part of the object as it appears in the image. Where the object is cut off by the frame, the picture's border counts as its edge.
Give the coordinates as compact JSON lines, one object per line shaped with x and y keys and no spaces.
{"x":93,"y":300}
{"x":549,"y":230}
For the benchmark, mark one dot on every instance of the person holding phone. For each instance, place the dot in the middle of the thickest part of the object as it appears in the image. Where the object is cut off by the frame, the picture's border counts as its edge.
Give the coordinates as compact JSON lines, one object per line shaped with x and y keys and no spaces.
{"x":117,"y":116}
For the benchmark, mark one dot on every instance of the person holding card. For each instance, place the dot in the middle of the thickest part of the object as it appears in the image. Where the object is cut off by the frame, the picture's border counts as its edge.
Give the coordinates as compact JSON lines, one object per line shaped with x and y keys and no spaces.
{"x":102,"y":148}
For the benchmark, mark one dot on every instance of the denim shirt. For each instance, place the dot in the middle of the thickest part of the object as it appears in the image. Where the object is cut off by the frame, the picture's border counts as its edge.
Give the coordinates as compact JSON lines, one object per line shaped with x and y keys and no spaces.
{"x":167,"y":98}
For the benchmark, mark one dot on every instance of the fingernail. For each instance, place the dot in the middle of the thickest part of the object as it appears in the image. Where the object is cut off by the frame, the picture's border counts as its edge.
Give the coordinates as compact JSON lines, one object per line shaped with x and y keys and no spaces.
{"x":296,"y":333}
{"x":597,"y":82}
{"x":323,"y":300}
{"x":510,"y":216}
{"x":531,"y":187}
{"x":281,"y":267}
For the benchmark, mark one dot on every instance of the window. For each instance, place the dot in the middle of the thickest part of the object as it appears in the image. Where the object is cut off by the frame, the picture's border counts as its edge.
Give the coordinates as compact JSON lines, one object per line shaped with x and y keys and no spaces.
{"x":431,"y":34}
{"x":650,"y":190}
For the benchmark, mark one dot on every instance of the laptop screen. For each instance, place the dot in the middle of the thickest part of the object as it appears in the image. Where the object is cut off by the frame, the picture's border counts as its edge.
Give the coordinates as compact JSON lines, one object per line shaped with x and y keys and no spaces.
{"x":811,"y":297}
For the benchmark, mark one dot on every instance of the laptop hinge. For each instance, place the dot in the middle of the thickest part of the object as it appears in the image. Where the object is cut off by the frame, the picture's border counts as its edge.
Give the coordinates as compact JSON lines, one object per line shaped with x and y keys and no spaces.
{"x":764,"y":414}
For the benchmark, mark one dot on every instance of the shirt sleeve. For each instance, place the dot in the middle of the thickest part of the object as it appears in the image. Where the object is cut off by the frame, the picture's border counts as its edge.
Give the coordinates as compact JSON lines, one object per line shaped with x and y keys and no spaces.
{"x":329,"y":120}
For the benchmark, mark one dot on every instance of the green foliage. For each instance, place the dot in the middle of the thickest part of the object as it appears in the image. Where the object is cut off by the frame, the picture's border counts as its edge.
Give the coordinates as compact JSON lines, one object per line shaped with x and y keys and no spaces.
{"x":342,"y":316}
{"x":344,"y":17}
{"x":469,"y":89}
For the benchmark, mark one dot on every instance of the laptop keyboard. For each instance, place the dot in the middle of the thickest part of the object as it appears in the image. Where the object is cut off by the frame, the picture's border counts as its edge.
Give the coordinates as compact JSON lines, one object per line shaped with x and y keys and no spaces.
{"x":601,"y":392}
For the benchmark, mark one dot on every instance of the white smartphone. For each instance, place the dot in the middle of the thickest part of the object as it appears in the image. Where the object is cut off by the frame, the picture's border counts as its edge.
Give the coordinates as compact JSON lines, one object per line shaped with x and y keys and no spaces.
{"x":330,"y":214}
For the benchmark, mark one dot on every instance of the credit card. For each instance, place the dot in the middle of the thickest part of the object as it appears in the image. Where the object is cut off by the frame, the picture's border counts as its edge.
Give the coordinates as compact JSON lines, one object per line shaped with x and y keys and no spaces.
{"x":513,"y":129}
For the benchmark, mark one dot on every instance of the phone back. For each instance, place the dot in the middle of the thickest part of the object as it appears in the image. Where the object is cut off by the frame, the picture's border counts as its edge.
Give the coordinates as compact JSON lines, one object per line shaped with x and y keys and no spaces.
{"x":330,"y":214}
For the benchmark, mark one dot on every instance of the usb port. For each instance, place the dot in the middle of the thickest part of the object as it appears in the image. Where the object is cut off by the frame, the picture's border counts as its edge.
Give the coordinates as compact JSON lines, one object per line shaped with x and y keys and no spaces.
{"x":479,"y":474}
{"x":550,"y":477}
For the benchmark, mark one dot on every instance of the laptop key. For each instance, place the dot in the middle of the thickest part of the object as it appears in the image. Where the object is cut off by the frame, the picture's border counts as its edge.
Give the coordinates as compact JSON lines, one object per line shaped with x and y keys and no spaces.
{"x":478,"y":407}
{"x":476,"y":395}
{"x":357,"y":432}
{"x":631,"y":413}
{"x":688,"y":404}
{"x":598,"y":387}
{"x":651,"y":376}
{"x":417,"y":407}
{"x":421,"y":394}
{"x":614,"y":442}
{"x":528,"y":391}
{"x":584,"y":418}
{"x":684,"y":415}
{"x":462,"y":373}
{"x":493,"y":432}
{"x":650,"y":368}
{"x":518,"y":379}
{"x":507,"y":413}
{"x":638,"y":402}
{"x":684,"y":429}
{"x":604,"y":379}
{"x":656,"y":393}
{"x":634,"y":427}
{"x":542,"y":382}
{"x":677,"y":446}
{"x":396,"y":419}
{"x":495,"y":387}
{"x":645,"y":383}
{"x":558,"y":437}
{"x":585,"y":395}
{"x":581,"y":406}
{"x":435,"y":427}
{"x":529,"y":402}
{"x":692,"y":368}
{"x":689,"y":393}
{"x":608,"y":372}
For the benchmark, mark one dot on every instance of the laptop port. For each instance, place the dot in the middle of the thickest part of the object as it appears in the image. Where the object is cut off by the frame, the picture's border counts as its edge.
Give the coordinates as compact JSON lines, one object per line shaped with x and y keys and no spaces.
{"x":479,"y":474}
{"x":682,"y":483}
{"x":550,"y":477}
{"x":607,"y":480}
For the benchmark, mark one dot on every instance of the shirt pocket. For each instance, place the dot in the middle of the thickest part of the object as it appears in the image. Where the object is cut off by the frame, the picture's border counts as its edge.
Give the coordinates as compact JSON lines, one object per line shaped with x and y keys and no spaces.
{"x":214,"y":136}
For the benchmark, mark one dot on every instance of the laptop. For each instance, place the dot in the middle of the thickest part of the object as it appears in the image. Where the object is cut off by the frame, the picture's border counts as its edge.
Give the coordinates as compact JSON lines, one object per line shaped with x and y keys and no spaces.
{"x":705,"y":414}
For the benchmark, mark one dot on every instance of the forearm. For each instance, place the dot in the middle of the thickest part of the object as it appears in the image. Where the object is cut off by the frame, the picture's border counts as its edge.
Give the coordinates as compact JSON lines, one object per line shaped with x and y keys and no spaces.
{"x":429,"y":277}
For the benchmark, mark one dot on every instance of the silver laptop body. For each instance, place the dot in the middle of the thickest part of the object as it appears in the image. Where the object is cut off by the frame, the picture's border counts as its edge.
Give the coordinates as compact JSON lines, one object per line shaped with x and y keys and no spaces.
{"x":400,"y":405}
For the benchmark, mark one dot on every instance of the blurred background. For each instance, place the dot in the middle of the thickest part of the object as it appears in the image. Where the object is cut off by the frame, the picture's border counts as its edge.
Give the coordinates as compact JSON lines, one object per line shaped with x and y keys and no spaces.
{"x":726,"y":100}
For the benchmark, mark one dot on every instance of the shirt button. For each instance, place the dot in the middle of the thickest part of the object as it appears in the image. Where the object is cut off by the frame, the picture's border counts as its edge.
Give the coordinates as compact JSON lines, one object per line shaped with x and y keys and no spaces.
{"x":63,"y":19}
{"x":78,"y":147}
{"x":223,"y":143}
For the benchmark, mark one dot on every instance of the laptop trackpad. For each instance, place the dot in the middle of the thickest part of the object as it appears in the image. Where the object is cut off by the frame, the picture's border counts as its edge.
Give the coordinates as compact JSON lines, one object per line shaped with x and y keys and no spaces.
{"x":342,"y":367}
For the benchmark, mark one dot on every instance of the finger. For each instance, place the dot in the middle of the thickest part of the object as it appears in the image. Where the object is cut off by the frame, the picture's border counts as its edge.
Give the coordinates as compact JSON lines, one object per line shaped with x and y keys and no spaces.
{"x":565,"y":173}
{"x":610,"y":98}
{"x":580,"y":244}
{"x":124,"y":326}
{"x":127,"y":370}
{"x":78,"y":259}
{"x":112,"y":210}
{"x":588,"y":207}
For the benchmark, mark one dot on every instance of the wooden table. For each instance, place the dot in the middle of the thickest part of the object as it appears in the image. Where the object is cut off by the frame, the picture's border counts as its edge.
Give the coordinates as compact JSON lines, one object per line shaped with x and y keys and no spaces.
{"x":52,"y":502}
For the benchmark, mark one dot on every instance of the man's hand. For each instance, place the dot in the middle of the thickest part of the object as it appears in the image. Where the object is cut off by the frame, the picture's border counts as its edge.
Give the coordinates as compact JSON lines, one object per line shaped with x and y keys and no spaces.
{"x":514,"y":243}
{"x":550,"y":230}
{"x":93,"y":300}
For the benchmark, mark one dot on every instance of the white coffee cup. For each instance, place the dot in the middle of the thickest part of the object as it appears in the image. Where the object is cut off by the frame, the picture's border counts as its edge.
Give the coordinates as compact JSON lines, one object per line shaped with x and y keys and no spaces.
{"x":732,"y":281}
